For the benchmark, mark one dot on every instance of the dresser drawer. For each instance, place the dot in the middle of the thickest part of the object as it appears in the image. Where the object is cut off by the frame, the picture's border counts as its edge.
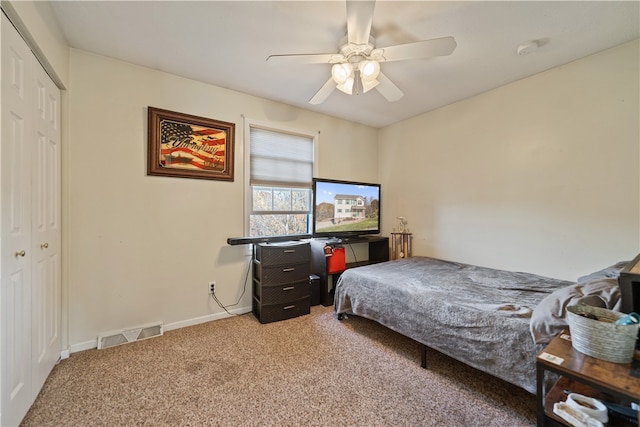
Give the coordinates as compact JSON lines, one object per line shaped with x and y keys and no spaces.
{"x":282,"y":254}
{"x":281,"y":274}
{"x":277,"y":294}
{"x":276,"y":312}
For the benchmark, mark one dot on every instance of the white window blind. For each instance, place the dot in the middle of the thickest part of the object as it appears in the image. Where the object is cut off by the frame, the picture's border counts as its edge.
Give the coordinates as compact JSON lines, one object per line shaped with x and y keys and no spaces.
{"x":280,"y":159}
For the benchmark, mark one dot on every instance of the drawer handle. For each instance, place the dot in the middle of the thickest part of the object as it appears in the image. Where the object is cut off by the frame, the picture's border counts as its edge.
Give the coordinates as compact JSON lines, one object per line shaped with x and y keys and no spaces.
{"x":289,"y":251}
{"x":286,"y":270}
{"x":289,"y":288}
{"x":289,"y":307}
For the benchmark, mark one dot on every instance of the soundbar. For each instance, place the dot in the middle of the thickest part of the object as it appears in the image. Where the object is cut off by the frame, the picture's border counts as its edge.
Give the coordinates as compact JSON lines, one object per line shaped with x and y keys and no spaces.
{"x":265,"y":239}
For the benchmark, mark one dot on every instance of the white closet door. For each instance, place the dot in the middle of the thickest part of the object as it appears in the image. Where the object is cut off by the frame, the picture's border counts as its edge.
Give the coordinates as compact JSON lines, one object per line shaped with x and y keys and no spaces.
{"x":15,"y":294}
{"x":30,"y":299}
{"x":45,"y":219}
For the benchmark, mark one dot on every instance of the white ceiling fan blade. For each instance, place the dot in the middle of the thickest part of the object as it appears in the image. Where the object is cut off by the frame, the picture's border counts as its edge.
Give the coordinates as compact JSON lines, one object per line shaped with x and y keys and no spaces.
{"x":417,"y":50}
{"x":359,"y":19}
{"x":387,"y":89}
{"x":323,"y":93}
{"x":302,"y":58}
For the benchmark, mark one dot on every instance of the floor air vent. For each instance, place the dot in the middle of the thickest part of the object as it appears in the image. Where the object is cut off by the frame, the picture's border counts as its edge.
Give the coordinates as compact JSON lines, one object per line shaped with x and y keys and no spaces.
{"x":130,"y":335}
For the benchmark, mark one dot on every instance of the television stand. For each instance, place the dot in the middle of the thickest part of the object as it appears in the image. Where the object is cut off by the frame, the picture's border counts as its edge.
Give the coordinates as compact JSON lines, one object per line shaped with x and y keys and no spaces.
{"x":378,"y":250}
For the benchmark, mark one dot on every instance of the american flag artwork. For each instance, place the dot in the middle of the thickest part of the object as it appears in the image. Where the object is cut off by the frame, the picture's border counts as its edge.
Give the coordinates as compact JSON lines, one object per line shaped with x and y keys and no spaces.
{"x":191,"y":147}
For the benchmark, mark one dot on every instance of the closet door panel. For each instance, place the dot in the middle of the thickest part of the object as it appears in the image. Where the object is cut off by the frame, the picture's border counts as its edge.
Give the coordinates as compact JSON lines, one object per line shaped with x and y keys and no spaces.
{"x":16,"y":249}
{"x":46,"y":342}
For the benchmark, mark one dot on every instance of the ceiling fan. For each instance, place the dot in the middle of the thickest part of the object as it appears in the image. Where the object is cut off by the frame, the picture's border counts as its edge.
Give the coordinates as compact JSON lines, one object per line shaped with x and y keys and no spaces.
{"x":357,"y":64}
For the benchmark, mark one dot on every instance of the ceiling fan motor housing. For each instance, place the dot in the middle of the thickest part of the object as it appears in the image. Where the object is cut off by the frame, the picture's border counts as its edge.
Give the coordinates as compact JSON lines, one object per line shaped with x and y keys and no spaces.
{"x":354,"y":53}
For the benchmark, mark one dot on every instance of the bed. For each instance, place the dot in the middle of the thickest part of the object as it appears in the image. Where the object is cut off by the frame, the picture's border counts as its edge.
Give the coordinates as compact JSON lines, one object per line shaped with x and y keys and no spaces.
{"x":493,"y":320}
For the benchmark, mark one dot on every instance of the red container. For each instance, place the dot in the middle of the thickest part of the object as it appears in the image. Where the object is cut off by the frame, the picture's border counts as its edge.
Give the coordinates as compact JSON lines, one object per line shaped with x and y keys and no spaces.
{"x":336,"y":261}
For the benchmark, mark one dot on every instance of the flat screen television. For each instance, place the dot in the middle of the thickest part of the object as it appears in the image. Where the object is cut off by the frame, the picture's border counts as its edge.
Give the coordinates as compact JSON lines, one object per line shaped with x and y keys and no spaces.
{"x":345,"y":208}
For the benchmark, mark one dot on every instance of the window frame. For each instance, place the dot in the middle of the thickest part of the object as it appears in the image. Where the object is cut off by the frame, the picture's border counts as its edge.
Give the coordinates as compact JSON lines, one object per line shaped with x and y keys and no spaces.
{"x":247,"y":189}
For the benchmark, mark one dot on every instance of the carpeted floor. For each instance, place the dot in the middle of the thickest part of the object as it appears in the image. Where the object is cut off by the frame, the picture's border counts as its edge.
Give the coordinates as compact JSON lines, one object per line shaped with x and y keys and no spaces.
{"x":309,"y":371}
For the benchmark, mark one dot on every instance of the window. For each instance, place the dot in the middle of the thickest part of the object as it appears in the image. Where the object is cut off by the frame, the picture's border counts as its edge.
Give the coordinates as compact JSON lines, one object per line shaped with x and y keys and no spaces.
{"x":281,"y":166}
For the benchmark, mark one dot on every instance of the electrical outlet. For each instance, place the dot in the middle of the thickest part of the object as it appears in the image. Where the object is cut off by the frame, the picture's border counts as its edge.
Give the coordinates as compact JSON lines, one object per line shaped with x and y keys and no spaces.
{"x":212,"y":288}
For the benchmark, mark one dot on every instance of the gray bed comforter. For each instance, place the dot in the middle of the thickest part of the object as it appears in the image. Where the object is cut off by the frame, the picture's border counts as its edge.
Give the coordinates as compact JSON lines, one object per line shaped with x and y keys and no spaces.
{"x":479,"y":316}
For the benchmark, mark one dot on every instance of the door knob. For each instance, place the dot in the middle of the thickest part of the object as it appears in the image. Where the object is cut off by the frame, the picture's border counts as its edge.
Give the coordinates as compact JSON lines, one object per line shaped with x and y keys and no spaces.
{"x":21,"y":253}
{"x":45,"y":245}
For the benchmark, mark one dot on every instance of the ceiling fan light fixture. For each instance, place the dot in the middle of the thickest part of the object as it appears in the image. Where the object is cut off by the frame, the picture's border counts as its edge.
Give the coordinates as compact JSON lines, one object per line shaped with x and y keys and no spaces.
{"x":369,"y":70}
{"x":341,"y":73}
{"x":368,"y":84}
{"x":347,"y":86}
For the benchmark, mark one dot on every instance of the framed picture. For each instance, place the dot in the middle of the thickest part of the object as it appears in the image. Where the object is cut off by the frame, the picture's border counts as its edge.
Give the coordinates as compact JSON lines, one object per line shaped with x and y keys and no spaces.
{"x":186,"y":146}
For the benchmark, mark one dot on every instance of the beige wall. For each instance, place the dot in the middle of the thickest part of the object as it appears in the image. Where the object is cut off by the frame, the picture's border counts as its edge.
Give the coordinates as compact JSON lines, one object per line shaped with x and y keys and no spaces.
{"x":540,"y":175}
{"x":141,"y":248}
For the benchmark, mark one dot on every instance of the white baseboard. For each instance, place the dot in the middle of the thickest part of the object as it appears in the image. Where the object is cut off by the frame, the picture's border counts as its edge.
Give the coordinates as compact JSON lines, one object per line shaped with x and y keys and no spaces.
{"x":204,"y":319}
{"x":88,"y":345}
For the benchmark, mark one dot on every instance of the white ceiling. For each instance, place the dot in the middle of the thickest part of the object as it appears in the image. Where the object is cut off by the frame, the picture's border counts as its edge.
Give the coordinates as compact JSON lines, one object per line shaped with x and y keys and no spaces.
{"x":225,"y":43}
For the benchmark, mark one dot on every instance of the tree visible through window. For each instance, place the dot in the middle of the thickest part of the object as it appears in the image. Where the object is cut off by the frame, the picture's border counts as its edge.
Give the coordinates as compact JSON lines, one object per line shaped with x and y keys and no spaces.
{"x":281,"y":173}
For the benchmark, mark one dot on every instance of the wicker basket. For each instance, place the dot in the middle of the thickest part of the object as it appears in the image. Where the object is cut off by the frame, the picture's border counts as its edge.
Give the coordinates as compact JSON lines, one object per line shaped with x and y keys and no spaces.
{"x":601,"y":338}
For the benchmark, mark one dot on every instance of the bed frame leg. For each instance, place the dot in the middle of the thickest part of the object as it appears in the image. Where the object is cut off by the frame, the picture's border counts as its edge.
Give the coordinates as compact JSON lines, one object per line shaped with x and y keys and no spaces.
{"x":423,"y":355}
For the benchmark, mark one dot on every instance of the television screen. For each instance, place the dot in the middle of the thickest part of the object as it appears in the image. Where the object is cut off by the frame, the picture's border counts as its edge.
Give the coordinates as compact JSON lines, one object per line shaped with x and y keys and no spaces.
{"x":345,"y":208}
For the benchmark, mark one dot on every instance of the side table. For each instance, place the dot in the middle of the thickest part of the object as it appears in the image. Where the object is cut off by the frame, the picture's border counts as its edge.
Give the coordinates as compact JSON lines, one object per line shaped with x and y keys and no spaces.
{"x":579,"y":373}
